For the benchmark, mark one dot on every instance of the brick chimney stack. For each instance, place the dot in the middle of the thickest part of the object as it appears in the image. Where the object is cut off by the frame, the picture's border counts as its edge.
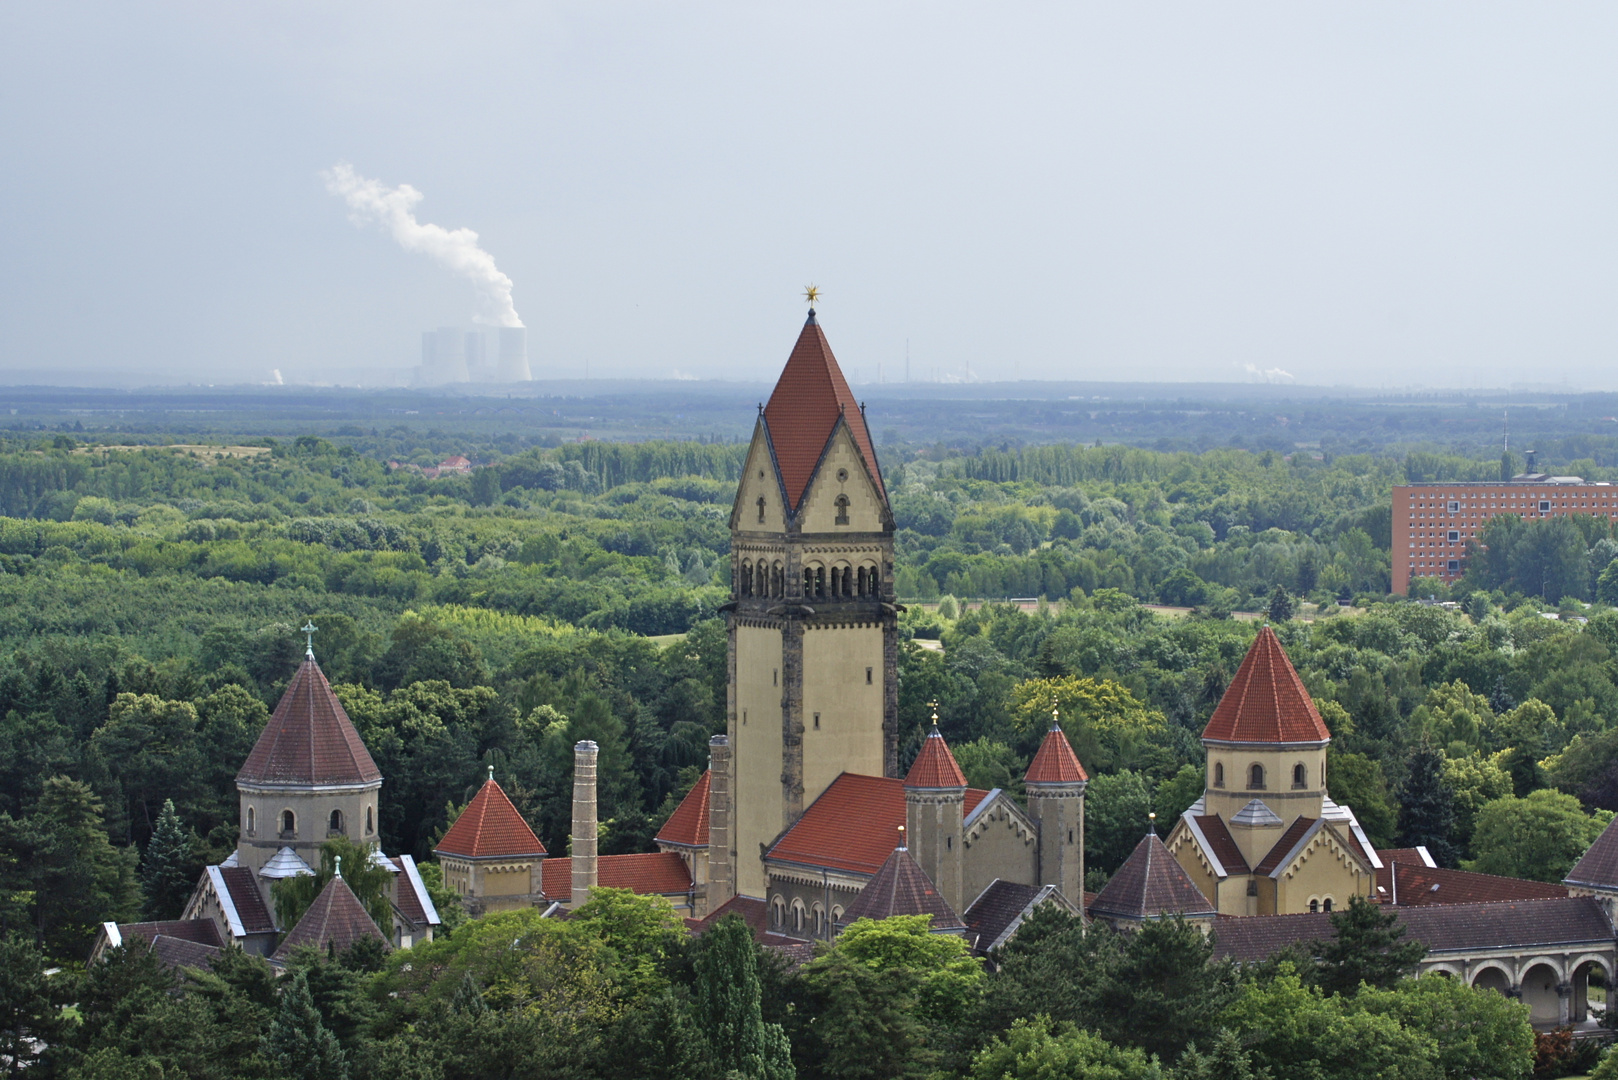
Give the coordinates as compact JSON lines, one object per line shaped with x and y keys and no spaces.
{"x":583,"y":849}
{"x":721,"y":876}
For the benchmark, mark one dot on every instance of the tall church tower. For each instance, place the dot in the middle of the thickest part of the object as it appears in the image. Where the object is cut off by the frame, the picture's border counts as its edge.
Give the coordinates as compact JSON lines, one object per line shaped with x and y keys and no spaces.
{"x":812,"y":619}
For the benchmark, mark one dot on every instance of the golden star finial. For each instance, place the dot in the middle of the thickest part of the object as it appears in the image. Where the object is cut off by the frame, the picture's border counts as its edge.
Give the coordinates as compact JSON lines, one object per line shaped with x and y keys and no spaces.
{"x":812,"y":295}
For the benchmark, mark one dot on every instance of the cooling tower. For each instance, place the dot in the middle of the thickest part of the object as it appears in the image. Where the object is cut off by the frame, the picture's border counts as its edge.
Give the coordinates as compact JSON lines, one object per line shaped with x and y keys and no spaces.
{"x":513,"y":355}
{"x":449,"y":360}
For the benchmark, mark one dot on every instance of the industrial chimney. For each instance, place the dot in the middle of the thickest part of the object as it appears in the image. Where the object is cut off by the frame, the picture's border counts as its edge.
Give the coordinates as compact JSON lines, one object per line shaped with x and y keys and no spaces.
{"x":583,"y":851}
{"x":513,"y":355}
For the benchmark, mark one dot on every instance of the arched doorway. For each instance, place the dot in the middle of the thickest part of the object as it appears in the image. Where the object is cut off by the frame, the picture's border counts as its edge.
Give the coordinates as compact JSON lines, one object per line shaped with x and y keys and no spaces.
{"x":1492,"y":978}
{"x":1592,"y":974}
{"x":1539,"y":994}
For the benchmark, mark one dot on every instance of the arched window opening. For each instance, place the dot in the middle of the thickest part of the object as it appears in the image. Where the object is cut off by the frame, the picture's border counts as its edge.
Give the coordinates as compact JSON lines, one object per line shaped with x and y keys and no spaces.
{"x":778,"y":911}
{"x":289,"y":823}
{"x":250,"y":816}
{"x":876,"y":581}
{"x":336,"y":822}
{"x":808,"y":583}
{"x":745,"y":585}
{"x":370,"y":820}
{"x":780,"y":581}
{"x":1255,"y":777}
{"x":837,"y":581}
{"x":820,"y":581}
{"x":797,"y":916}
{"x":1314,"y":907}
{"x":820,"y":921}
{"x":842,"y":510}
{"x":860,"y":581}
{"x":761,"y":509}
{"x":1219,"y":774}
{"x":1327,"y":906}
{"x":1300,"y":776}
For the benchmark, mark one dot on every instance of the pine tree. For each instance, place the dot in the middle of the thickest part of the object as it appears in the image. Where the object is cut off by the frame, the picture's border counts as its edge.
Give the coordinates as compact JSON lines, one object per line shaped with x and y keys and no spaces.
{"x":298,"y":1042}
{"x":167,"y":871}
{"x":1367,"y":947}
{"x":79,"y":879}
{"x":1427,"y":808}
{"x":1282,"y":607}
{"x":741,"y":1044}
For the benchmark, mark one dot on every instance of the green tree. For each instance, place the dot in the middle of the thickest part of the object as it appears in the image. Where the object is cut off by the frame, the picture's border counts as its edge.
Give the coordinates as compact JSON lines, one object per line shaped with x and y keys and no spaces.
{"x":1480,"y":1033}
{"x":1367,"y":946}
{"x":1473,"y":780}
{"x":1226,"y":1059}
{"x":1281,"y":607}
{"x":1539,"y":837}
{"x":1358,"y":782}
{"x":79,"y":879}
{"x":1039,"y":1049}
{"x":1175,"y":795}
{"x":299,"y":1043}
{"x":368,"y":881}
{"x":1427,"y":810}
{"x":168,"y":870}
{"x":1116,"y":809}
{"x":30,"y":1009}
{"x":1164,"y":990}
{"x":742,"y":1046}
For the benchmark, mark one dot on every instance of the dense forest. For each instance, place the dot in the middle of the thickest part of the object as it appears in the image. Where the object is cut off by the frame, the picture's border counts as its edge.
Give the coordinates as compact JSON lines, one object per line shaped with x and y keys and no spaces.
{"x":148,"y":597}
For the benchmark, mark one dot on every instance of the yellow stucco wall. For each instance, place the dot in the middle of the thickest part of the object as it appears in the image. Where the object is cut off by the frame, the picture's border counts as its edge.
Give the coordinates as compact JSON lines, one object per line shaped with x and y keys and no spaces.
{"x":849,"y":738}
{"x":999,"y":845}
{"x":756,"y":752}
{"x":1328,"y":867}
{"x":841,"y":473}
{"x":758,"y":480}
{"x":1277,"y":793}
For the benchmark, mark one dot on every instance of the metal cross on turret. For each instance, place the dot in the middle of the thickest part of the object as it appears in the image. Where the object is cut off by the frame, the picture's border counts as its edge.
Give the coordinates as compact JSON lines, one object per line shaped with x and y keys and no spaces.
{"x":309,"y":629}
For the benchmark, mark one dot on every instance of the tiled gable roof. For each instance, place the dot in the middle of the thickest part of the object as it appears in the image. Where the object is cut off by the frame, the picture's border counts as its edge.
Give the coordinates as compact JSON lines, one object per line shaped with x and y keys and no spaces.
{"x":1428,"y":886}
{"x":661,"y":872}
{"x":1149,"y":885}
{"x":756,"y":914}
{"x":1283,"y":847}
{"x":809,"y":398}
{"x":1221,"y":844}
{"x":688,"y":825}
{"x":336,"y":919}
{"x":490,"y":828}
{"x":199,"y":931}
{"x":853,"y":826}
{"x":1266,"y":701}
{"x":1556,"y":921}
{"x":1598,"y":867}
{"x":1055,"y":763}
{"x":309,"y":739}
{"x":249,"y":902}
{"x":902,"y":887}
{"x":1001,"y":908}
{"x":935,"y":766}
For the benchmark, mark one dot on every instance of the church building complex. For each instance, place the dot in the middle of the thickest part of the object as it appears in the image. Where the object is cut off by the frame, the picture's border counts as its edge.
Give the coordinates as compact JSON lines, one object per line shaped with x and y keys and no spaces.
{"x":803,"y":821}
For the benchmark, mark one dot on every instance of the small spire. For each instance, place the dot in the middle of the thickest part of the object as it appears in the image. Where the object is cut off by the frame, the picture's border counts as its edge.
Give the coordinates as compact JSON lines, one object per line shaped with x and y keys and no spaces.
{"x":902,"y":839}
{"x":1151,"y":826}
{"x":339,"y":859}
{"x":491,"y":774}
{"x":1056,"y":722}
{"x":309,"y":629}
{"x":935,"y":716}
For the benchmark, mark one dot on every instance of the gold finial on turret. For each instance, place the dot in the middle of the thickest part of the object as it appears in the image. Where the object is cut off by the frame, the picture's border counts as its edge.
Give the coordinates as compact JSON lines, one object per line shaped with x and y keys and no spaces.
{"x":811,"y":294}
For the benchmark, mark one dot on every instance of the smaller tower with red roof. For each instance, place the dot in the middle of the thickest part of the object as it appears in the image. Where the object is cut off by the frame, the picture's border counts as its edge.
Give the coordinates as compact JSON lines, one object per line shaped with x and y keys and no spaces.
{"x":1055,"y":784}
{"x":935,"y":808}
{"x":490,"y":855}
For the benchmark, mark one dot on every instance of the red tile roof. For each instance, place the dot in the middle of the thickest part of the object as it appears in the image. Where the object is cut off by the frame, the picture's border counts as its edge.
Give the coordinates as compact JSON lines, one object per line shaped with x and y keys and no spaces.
{"x":1283,"y":847}
{"x":661,"y":872}
{"x":1149,"y":885}
{"x":1407,"y":855}
{"x":490,"y":828}
{"x":809,"y":398}
{"x":902,"y":887}
{"x":309,"y":740}
{"x":1056,"y":763}
{"x":250,"y":906}
{"x":688,"y":825}
{"x":336,"y":919}
{"x":1428,"y":886}
{"x":853,"y":826}
{"x":935,"y":766}
{"x":1266,"y":701}
{"x":409,"y":903}
{"x":1223,"y":844}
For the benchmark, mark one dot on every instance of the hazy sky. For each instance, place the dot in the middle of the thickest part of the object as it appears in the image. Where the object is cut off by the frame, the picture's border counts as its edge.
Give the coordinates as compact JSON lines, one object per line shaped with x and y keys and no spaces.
{"x":1354,"y":193}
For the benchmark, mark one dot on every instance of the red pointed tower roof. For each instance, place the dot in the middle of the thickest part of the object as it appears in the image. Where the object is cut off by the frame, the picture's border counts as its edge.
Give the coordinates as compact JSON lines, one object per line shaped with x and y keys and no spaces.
{"x":1056,"y":763}
{"x":809,"y":397}
{"x":490,"y":828}
{"x":336,"y":918}
{"x":688,"y":825}
{"x":935,"y":766}
{"x":1266,"y":701}
{"x":309,"y":740}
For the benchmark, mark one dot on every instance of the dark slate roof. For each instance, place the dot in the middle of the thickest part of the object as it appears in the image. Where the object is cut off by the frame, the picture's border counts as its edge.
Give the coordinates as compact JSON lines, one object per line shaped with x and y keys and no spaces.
{"x":1223,"y":844}
{"x":490,"y":828}
{"x":199,"y":931}
{"x":1001,"y":908}
{"x":809,"y":399}
{"x":1556,"y":921}
{"x":309,"y":739}
{"x":1149,"y":885}
{"x":688,"y":825}
{"x":336,"y":918}
{"x":902,"y":887}
{"x":175,"y":952}
{"x":1283,"y":847}
{"x":935,"y":766}
{"x":1266,"y":701}
{"x":1599,"y":866}
{"x":250,"y":906}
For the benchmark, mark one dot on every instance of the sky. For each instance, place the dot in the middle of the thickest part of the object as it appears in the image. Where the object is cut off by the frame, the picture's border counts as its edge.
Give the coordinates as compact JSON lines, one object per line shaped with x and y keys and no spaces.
{"x":1370,"y":194}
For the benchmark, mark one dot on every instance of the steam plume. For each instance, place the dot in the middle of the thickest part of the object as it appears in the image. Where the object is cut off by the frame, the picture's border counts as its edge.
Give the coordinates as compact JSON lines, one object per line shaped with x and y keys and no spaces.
{"x":394,"y":211}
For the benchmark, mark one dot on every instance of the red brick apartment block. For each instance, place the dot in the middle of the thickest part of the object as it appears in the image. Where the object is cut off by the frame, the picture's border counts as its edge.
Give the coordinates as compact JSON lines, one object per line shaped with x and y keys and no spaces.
{"x":1432,"y":523}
